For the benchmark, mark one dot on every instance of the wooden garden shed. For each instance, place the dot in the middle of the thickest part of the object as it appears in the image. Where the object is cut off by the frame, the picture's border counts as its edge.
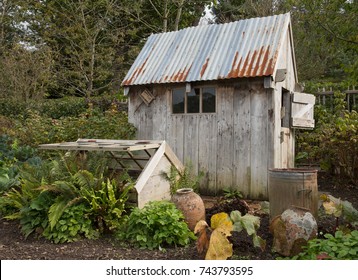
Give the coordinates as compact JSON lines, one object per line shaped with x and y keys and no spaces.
{"x":225,"y":97}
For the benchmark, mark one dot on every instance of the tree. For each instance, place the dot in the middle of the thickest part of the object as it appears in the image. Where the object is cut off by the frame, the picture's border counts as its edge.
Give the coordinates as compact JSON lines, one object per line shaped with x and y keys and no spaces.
{"x":25,"y":74}
{"x":326,"y":34}
{"x":232,"y":10}
{"x":83,"y":35}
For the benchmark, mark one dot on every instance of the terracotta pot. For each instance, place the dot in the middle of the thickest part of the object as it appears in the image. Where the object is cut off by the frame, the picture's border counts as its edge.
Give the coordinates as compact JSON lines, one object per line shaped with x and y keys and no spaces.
{"x":191,"y":205}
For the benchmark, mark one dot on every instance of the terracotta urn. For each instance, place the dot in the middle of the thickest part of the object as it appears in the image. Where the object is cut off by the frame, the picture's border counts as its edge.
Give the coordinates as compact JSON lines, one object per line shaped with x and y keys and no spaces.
{"x":292,"y":229}
{"x":191,"y":205}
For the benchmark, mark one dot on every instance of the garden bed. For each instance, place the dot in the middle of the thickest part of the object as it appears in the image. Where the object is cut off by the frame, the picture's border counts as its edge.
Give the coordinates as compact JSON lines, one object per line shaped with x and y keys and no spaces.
{"x":13,"y":245}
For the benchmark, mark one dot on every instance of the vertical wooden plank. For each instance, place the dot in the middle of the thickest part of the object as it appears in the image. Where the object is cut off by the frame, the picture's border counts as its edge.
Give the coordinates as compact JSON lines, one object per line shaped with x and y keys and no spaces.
{"x":207,"y":152}
{"x":191,"y":141}
{"x":242,"y":136}
{"x":159,"y":114}
{"x":259,"y":153}
{"x":285,"y":138}
{"x":291,"y":148}
{"x":274,"y":127}
{"x":175,"y":137}
{"x":225,"y":143}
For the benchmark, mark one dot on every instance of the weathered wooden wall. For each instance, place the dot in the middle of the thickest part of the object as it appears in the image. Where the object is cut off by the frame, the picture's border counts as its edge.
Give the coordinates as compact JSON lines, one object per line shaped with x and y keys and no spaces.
{"x":235,"y":146}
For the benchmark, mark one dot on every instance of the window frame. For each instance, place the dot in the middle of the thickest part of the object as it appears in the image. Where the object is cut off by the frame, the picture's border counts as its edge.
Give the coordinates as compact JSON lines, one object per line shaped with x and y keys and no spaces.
{"x":186,"y":100}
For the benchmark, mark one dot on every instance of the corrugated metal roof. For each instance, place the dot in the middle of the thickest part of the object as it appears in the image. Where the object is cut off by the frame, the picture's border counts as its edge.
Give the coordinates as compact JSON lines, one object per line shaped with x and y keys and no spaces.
{"x":245,"y":48}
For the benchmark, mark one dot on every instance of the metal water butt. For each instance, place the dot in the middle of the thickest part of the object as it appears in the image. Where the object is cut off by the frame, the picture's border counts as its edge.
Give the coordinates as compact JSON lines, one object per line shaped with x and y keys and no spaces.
{"x":292,"y":187}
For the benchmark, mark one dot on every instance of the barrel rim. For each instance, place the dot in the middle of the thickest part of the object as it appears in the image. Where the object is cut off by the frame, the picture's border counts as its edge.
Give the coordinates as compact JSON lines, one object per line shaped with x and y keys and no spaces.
{"x":294,"y":170}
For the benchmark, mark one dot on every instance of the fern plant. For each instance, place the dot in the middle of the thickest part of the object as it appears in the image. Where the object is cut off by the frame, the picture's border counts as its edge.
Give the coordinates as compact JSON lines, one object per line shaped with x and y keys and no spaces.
{"x":183,"y":179}
{"x":108,"y":204}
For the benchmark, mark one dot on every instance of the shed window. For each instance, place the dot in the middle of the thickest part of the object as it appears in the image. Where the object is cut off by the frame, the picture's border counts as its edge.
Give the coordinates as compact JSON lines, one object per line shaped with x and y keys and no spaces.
{"x":178,"y":100}
{"x":198,"y":100}
{"x":193,"y":101}
{"x":209,"y":100}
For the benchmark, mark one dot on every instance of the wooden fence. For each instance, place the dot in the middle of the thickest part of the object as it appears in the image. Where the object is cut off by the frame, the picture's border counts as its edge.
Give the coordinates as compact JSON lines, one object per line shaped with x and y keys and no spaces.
{"x":326,"y":98}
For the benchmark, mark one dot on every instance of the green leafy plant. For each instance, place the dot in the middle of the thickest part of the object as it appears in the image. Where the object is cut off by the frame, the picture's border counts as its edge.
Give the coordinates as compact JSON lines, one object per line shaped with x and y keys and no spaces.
{"x":40,"y":129}
{"x":74,"y":224}
{"x":33,"y":218}
{"x":250,"y":223}
{"x":49,"y":188}
{"x":26,"y":202}
{"x":108,"y":204}
{"x":9,"y":177}
{"x":11,"y":152}
{"x":156,"y":225}
{"x":340,"y":246}
{"x":232,"y":194}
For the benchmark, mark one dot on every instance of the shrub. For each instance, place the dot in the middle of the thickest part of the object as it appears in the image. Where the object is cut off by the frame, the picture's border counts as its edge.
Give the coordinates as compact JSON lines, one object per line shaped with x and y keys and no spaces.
{"x":157,"y":225}
{"x":11,"y":151}
{"x":334,"y":142}
{"x":64,"y":107}
{"x":37,"y":129}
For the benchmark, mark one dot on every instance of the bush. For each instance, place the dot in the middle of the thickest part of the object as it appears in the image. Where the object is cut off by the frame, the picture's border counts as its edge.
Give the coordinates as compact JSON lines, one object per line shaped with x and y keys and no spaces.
{"x":334,"y":142}
{"x":158,"y":224}
{"x":50,"y":108}
{"x":64,"y":107}
{"x":11,"y":151}
{"x":37,"y":129}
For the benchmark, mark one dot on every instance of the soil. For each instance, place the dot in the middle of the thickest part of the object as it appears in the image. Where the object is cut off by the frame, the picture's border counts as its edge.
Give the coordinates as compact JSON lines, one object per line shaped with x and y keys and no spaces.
{"x":13,"y":245}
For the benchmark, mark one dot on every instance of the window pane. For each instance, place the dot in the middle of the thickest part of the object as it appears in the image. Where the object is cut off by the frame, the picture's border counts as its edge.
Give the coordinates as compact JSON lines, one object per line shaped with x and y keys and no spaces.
{"x":209,"y":100}
{"x":178,"y":100}
{"x":193,"y":100}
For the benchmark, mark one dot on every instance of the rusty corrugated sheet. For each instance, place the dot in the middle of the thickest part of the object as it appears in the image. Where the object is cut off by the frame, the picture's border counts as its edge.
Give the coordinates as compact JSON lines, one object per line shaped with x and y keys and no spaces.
{"x":246,"y":48}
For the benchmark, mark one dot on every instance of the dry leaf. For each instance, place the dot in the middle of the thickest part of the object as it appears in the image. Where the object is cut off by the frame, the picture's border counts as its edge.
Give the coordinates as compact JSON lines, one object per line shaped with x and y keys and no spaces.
{"x":203,"y":232}
{"x":220,"y":247}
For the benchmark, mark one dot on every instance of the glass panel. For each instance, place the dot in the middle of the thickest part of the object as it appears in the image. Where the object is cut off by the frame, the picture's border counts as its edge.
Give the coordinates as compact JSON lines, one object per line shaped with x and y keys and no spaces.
{"x":193,"y":100}
{"x":178,"y":100}
{"x":209,"y":102}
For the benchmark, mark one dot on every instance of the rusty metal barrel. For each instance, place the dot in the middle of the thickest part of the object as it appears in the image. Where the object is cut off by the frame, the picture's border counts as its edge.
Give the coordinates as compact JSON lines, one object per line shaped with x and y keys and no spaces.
{"x":292,"y":187}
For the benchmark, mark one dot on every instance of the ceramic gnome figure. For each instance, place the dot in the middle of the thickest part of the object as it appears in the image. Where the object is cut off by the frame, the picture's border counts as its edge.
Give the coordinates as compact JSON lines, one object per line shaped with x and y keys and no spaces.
{"x":292,"y":229}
